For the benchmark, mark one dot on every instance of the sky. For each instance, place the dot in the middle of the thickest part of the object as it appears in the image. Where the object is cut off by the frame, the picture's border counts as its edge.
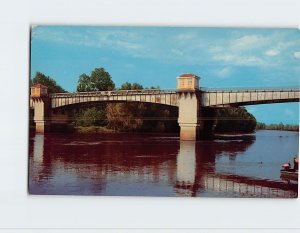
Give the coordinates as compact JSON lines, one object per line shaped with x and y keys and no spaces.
{"x":155,"y":56}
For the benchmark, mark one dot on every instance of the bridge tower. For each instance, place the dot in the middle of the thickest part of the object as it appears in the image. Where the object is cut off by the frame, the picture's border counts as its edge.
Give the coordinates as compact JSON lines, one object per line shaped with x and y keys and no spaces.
{"x":189,"y":103}
{"x":41,"y":106}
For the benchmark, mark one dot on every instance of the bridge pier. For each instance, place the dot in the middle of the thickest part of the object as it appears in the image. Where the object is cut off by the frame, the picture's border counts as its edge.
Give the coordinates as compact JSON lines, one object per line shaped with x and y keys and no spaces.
{"x":41,"y":115}
{"x":189,"y":111}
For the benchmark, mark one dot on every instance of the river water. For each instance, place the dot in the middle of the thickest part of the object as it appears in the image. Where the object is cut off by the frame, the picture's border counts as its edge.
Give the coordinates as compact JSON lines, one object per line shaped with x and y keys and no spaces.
{"x":136,"y":164}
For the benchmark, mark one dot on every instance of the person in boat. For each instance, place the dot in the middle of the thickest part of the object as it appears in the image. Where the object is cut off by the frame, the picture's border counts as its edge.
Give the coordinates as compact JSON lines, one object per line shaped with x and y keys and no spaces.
{"x":296,"y":163}
{"x":286,"y":166}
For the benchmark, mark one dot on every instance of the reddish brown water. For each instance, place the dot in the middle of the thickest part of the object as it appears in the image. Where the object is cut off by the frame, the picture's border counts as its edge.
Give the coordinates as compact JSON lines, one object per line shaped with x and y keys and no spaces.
{"x":160,"y":165}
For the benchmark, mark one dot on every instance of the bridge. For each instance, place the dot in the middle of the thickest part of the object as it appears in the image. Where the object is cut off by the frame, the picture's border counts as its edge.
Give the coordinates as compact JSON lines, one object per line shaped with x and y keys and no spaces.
{"x":193,"y":102}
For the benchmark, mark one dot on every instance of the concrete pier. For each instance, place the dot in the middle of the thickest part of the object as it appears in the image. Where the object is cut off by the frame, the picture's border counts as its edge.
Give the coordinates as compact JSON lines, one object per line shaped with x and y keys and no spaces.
{"x":188,"y":119}
{"x":41,"y":114}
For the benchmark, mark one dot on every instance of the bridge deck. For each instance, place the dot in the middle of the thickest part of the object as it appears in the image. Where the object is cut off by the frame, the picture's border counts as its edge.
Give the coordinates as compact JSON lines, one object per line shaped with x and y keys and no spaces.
{"x":235,"y":98}
{"x":167,"y":97}
{"x":209,"y":97}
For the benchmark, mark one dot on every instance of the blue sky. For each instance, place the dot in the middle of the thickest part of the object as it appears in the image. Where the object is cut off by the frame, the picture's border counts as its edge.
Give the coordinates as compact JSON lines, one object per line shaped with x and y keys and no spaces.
{"x":155,"y":56}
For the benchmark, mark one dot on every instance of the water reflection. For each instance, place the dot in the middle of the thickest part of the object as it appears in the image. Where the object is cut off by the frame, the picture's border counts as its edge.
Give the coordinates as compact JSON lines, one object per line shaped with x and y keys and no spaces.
{"x":186,"y":168}
{"x":196,"y":174}
{"x":144,"y":165}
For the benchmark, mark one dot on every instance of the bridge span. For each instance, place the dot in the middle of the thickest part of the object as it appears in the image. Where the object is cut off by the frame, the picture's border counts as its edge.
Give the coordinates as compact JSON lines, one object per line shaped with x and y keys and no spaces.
{"x":242,"y":97}
{"x":208,"y":97}
{"x":191,"y":100}
{"x":166,"y":97}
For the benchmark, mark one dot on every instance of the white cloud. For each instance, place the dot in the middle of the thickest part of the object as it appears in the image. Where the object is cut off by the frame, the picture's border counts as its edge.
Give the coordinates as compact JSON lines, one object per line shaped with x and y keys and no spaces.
{"x":241,"y":51}
{"x":177,"y":52}
{"x":224,"y":72}
{"x":186,"y":36}
{"x":272,"y":52}
{"x":247,"y":41}
{"x":216,"y":49}
{"x":239,"y":59}
{"x":297,"y":55}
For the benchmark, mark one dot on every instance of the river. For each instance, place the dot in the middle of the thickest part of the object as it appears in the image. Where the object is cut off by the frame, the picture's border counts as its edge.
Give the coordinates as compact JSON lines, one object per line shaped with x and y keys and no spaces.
{"x":144,"y":164}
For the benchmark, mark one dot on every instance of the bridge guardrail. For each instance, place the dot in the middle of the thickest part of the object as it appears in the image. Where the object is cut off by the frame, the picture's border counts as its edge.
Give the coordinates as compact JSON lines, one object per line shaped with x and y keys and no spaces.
{"x":251,"y":89}
{"x":169,"y":91}
{"x":112,"y":93}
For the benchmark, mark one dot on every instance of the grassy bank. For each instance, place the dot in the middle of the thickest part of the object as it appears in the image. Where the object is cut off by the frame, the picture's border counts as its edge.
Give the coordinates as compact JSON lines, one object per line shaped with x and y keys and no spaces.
{"x":92,"y":129}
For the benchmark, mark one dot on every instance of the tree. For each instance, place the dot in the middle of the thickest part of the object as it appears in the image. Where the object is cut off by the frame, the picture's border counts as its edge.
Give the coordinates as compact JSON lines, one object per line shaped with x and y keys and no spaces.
{"x":279,"y":126}
{"x":126,"y":86}
{"x":84,"y":83}
{"x":146,"y":117}
{"x":90,"y":117}
{"x":41,"y":78}
{"x":133,"y":86}
{"x":136,"y":86}
{"x":99,"y":80}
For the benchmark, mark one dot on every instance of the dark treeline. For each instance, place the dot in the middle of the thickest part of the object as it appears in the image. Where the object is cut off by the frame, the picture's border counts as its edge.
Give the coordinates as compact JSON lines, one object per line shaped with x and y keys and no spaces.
{"x":135,"y":116}
{"x":280,"y":126}
{"x":235,"y":120}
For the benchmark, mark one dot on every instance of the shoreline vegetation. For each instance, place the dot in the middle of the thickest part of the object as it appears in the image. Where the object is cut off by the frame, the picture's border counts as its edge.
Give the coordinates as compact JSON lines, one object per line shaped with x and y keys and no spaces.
{"x":280,"y":127}
{"x":142,"y":117}
{"x":92,"y":130}
{"x":101,"y":129}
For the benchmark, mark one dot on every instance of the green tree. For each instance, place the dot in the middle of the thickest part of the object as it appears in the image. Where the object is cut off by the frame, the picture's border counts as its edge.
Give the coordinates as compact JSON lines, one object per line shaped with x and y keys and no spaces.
{"x":154,"y":87}
{"x":41,"y":78}
{"x":126,"y":86}
{"x":279,"y":126}
{"x":136,"y":86}
{"x":99,"y":80}
{"x":90,"y":117}
{"x":84,"y":83}
{"x":131,"y":86}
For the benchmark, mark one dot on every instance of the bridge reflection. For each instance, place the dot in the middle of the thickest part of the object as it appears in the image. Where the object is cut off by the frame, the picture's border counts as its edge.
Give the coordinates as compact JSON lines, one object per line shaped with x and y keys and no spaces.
{"x":117,"y":164}
{"x":196,"y":176}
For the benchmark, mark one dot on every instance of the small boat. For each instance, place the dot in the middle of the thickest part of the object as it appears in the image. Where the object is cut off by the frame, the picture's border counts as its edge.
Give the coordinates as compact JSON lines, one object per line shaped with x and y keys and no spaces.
{"x":288,"y":173}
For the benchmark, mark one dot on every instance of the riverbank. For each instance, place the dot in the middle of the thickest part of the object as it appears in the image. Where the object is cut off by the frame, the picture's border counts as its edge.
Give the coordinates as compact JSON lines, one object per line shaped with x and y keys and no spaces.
{"x":92,"y":129}
{"x":234,"y":135}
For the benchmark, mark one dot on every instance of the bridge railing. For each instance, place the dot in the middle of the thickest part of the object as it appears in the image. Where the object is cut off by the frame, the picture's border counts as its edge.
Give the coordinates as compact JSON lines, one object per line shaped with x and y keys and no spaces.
{"x":173,"y":91}
{"x":251,"y":89}
{"x":113,"y":93}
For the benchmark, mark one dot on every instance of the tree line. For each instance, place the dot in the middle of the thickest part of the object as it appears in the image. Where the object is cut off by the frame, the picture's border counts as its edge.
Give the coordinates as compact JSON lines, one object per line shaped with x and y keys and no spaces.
{"x":235,"y":120}
{"x":133,"y":116}
{"x":280,"y":126}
